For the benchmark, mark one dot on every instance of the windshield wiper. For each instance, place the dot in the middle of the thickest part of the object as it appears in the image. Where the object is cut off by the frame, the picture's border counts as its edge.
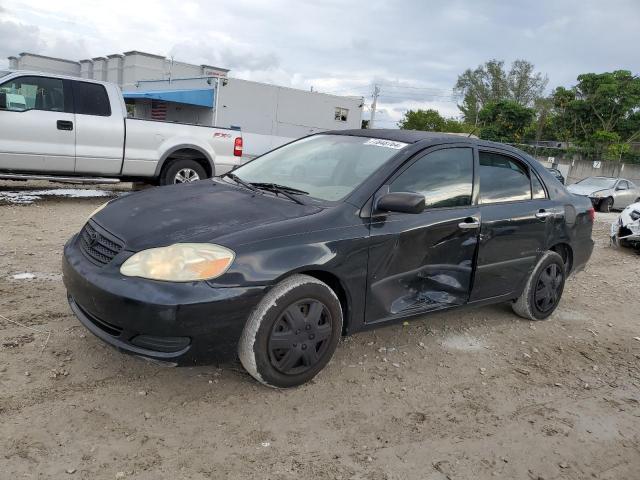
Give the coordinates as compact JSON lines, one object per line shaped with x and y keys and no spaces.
{"x":283,"y":189}
{"x":240,"y":181}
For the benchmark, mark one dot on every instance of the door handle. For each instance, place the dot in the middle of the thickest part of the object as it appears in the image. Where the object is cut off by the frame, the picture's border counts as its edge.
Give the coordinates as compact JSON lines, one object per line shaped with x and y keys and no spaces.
{"x":470,"y":223}
{"x":64,"y":125}
{"x":543,"y":214}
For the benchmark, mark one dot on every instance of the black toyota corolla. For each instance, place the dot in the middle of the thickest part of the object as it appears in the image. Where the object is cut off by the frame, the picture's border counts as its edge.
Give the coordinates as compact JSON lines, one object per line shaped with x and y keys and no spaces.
{"x":328,"y":235}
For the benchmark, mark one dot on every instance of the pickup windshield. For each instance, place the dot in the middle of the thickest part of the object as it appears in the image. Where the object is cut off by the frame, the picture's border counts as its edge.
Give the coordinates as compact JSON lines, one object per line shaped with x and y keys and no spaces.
{"x":328,"y":167}
{"x":599,"y":182}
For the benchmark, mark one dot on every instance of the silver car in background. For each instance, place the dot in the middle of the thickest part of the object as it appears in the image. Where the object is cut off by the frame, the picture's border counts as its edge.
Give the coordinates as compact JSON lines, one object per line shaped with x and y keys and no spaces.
{"x":607,"y":193}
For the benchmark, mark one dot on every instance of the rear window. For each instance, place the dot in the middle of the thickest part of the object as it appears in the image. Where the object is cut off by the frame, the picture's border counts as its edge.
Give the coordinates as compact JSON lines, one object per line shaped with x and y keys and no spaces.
{"x":91,"y":99}
{"x":503,"y":179}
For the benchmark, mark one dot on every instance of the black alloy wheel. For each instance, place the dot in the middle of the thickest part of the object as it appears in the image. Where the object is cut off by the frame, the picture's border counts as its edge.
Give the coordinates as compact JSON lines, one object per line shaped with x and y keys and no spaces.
{"x":549,"y":288}
{"x":300,"y":337}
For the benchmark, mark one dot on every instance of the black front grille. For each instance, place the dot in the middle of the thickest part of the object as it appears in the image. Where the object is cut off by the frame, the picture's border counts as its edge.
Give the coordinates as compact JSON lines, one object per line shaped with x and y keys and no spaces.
{"x":98,"y":245}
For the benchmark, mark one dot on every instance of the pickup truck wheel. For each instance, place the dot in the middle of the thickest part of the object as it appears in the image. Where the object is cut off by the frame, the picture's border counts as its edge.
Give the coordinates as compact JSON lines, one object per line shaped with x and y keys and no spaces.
{"x":543,"y":290}
{"x":182,"y":171}
{"x":292,"y":333}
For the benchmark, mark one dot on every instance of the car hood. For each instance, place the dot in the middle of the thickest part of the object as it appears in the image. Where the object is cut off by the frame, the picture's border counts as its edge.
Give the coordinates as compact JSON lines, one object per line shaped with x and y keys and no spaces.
{"x":197,"y":212}
{"x":584,"y":189}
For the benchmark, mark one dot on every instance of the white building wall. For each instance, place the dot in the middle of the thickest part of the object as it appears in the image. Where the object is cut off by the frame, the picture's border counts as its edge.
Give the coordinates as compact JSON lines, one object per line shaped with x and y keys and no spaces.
{"x":100,"y":68}
{"x":269,"y":115}
{"x":114,"y":69}
{"x":37,"y":63}
{"x":86,"y":68}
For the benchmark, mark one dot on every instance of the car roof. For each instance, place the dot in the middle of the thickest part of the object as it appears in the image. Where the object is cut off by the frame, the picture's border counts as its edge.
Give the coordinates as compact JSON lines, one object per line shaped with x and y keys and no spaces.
{"x":405,"y":136}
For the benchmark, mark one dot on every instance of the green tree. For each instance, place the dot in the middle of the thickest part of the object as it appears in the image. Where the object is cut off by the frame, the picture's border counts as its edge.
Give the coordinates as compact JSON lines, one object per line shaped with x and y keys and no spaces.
{"x":430,"y":120}
{"x":601,"y":113}
{"x":490,"y":82}
{"x":505,"y":121}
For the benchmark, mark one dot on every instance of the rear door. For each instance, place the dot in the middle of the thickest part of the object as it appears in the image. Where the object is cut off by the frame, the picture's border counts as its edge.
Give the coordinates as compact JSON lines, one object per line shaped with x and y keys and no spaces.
{"x":516,"y":217}
{"x":624,"y":195}
{"x":423,"y":262}
{"x":37,"y":132}
{"x":99,"y":130}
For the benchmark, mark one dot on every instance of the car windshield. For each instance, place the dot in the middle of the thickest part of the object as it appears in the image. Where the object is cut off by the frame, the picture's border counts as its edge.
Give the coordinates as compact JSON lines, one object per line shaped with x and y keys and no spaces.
{"x":599,"y":182}
{"x":327,"y":167}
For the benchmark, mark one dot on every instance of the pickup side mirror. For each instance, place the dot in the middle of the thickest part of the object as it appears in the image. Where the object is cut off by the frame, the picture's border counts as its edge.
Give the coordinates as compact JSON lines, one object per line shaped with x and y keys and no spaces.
{"x":3,"y":101}
{"x":402,"y":202}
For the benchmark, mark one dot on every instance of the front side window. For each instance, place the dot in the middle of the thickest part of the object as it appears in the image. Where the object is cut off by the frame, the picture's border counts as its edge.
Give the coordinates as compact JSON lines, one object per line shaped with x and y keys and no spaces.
{"x":623,"y":185}
{"x":34,"y":93}
{"x":444,"y":177}
{"x":91,"y":99}
{"x":503,"y":179}
{"x":328,"y":167}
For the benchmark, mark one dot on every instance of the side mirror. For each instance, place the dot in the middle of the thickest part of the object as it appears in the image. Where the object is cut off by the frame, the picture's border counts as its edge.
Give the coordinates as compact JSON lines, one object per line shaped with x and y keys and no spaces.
{"x":402,"y":202}
{"x":3,"y":101}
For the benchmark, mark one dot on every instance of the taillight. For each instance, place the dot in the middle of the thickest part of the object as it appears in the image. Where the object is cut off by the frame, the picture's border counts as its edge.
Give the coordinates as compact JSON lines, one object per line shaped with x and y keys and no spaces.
{"x":237,"y":147}
{"x":592,"y":214}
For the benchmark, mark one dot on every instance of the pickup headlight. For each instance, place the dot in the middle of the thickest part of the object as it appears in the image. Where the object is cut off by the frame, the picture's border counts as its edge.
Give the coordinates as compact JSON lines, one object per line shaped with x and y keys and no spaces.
{"x":181,"y":262}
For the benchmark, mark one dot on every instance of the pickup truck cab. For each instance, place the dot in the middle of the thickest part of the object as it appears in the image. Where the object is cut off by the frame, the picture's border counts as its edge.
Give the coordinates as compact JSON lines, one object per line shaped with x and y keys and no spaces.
{"x":54,"y":126}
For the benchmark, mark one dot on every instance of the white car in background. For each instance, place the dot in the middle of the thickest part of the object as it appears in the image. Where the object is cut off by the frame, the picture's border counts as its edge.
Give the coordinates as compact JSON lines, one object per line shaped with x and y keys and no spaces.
{"x":607,"y":193}
{"x":625,"y":231}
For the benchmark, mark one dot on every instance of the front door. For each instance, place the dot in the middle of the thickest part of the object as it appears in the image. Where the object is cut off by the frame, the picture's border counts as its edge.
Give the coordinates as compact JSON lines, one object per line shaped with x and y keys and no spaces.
{"x":516,"y":219}
{"x":423,"y":262}
{"x":37,"y":130}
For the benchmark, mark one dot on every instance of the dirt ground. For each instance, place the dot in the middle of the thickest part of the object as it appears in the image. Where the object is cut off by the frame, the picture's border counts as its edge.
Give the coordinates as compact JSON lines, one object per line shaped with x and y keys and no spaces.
{"x":471,"y":394}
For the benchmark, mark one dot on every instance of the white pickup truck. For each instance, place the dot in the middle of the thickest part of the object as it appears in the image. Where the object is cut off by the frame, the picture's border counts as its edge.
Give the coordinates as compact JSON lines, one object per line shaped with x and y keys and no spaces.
{"x":57,"y":127}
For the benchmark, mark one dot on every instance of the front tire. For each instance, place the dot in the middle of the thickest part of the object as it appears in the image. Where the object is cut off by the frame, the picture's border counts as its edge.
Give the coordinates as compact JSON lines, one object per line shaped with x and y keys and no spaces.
{"x":543,"y":290}
{"x":292,"y":333}
{"x":606,"y":205}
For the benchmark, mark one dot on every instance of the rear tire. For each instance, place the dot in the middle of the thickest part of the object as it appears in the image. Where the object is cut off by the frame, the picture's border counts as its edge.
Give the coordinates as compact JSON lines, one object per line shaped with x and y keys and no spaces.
{"x":543,"y":291}
{"x":292,"y":333}
{"x":182,"y":171}
{"x":606,"y":205}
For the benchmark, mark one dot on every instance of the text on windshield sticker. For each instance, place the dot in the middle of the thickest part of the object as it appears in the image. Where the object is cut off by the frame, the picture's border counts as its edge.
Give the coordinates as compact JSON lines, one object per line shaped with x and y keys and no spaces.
{"x":379,"y":142}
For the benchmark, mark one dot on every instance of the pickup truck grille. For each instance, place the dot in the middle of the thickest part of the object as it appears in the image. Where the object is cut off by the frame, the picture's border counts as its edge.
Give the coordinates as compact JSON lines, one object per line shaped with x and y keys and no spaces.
{"x":99,"y":246}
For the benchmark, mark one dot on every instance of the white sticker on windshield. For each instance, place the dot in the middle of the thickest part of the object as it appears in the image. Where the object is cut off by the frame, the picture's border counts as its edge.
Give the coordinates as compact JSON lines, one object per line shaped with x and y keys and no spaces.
{"x":379,"y":142}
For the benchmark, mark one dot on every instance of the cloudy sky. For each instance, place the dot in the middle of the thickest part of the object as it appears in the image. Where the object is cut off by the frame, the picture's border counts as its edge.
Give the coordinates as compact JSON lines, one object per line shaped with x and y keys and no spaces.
{"x":414,"y":49}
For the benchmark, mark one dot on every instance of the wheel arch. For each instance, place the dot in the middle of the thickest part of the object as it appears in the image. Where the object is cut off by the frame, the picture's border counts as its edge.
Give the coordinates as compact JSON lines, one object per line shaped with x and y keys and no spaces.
{"x":186,"y":151}
{"x":566,"y":252}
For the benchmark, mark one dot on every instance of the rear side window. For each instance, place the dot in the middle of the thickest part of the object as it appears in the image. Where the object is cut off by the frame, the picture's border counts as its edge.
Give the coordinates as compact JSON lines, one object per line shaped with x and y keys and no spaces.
{"x":444,"y":177}
{"x":503,"y":179}
{"x":537,"y":188}
{"x":91,"y":99}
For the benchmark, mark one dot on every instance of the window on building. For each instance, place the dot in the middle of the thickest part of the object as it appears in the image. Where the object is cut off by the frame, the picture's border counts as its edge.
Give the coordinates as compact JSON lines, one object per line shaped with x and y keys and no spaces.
{"x":34,"y":93}
{"x":503,"y":179}
{"x":341,"y":114}
{"x":444,"y":177}
{"x":91,"y":99}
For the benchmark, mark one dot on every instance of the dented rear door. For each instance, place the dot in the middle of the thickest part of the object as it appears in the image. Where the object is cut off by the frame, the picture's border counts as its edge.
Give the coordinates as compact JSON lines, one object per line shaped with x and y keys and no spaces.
{"x":424,"y":262}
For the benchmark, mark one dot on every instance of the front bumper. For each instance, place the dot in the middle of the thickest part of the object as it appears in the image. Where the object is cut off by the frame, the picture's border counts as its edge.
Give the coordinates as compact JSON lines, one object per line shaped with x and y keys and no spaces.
{"x":177,"y":323}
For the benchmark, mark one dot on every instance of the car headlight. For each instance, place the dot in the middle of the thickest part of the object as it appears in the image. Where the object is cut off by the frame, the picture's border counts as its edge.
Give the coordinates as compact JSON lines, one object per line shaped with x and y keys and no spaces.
{"x":181,"y":262}
{"x":597,"y":194}
{"x":91,"y":215}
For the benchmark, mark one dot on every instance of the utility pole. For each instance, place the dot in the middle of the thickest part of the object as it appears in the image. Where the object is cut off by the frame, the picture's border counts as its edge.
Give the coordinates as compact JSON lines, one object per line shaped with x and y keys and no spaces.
{"x":376,"y":92}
